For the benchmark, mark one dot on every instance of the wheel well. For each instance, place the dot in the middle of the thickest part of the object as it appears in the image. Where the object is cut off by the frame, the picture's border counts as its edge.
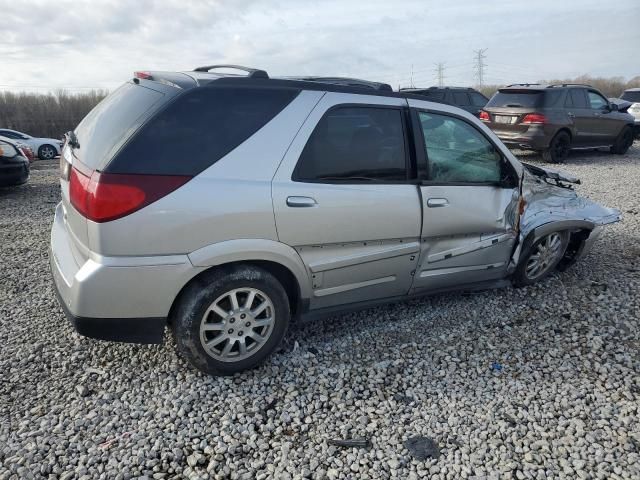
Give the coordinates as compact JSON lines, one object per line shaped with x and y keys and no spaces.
{"x":567,"y":131}
{"x":577,"y":238}
{"x":282,"y":274}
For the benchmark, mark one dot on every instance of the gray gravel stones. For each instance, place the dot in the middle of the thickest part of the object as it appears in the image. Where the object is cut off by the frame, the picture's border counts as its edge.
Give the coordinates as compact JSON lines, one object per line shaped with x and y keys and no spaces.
{"x":565,"y":403}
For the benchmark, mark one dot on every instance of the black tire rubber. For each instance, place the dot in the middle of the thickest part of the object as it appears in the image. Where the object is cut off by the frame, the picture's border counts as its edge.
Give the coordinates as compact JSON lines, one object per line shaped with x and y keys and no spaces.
{"x":186,"y":318}
{"x":558,"y":149}
{"x":623,"y":142}
{"x":520,"y":279}
{"x":41,"y":157}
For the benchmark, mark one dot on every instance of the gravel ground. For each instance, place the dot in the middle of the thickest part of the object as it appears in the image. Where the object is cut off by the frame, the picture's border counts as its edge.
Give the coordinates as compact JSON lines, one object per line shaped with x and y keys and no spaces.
{"x":540,"y":382}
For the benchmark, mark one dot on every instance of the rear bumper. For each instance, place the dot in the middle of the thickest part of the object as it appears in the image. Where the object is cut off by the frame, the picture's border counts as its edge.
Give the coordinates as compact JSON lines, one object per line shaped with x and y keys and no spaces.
{"x":533,"y":138}
{"x":116,"y":298}
{"x":14,"y":174}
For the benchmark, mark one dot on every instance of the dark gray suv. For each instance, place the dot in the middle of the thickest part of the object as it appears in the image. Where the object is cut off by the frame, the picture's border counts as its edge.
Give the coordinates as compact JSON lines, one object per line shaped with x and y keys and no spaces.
{"x":554,"y":119}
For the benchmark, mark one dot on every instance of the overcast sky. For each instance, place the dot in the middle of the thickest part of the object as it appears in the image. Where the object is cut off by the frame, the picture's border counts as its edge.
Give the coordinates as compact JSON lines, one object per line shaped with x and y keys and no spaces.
{"x":82,"y":44}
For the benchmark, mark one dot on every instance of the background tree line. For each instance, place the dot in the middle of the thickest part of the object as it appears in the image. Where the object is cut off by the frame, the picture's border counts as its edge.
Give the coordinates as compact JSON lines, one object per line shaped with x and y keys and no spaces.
{"x":53,"y":114}
{"x":612,"y":87}
{"x":46,"y":115}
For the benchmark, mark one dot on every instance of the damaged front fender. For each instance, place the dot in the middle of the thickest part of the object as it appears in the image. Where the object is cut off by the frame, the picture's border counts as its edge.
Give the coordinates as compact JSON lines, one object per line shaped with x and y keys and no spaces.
{"x":548,"y":205}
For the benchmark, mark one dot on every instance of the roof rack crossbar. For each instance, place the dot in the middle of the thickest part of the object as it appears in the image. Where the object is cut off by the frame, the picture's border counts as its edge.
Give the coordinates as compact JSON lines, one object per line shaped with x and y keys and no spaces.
{"x":252,"y":72}
{"x":570,"y":85}
{"x":522,"y":84}
{"x":352,"y":82}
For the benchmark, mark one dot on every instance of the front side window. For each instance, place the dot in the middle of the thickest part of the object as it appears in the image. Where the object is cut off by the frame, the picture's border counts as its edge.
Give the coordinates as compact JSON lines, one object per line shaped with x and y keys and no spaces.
{"x":457,"y":152}
{"x":355,"y":144}
{"x":597,"y":101}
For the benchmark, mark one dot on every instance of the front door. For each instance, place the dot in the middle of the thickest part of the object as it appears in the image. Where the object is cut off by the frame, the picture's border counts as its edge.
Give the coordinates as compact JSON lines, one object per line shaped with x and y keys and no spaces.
{"x":604,"y":126}
{"x":343,"y":198}
{"x":469,"y":197}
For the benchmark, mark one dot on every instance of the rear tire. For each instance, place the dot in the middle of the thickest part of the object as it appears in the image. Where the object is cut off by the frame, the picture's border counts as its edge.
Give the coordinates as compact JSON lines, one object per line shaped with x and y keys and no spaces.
{"x":541,"y":259}
{"x":623,"y":142}
{"x":558,"y":149}
{"x":47,"y":152}
{"x":221,"y":335}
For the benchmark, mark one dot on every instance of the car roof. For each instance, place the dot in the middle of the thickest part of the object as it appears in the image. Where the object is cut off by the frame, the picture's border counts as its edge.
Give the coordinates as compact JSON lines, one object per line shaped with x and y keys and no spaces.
{"x":636,"y":89}
{"x":544,"y":86}
{"x":259,"y":78}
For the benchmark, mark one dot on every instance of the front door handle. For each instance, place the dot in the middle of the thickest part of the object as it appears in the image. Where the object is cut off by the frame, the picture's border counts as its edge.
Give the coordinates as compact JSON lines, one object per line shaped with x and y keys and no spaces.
{"x":570,"y":115}
{"x":301,"y":202}
{"x":437,"y":202}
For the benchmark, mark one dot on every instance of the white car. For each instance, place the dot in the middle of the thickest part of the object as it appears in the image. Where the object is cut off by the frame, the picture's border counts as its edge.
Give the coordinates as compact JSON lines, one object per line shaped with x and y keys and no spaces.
{"x":44,"y":148}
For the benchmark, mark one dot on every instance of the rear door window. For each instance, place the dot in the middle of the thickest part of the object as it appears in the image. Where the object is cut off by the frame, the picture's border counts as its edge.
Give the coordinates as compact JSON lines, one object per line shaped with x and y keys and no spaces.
{"x":631,"y":96}
{"x":576,"y":98}
{"x":355,"y":145}
{"x":199,"y":128}
{"x":477,"y":100}
{"x":461,"y":98}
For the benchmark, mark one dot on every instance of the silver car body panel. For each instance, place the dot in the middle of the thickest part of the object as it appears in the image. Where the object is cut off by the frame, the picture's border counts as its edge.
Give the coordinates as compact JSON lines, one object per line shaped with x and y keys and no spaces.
{"x":371,"y":246}
{"x":342,"y":243}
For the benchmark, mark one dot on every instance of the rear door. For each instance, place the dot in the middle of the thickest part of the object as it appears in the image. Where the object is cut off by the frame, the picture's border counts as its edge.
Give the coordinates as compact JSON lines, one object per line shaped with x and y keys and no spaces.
{"x":580,"y":115}
{"x":344,"y":198}
{"x":469,"y":195}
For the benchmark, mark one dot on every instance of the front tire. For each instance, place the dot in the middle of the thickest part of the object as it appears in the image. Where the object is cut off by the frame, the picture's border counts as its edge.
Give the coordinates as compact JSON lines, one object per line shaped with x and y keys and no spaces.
{"x":231,"y":319}
{"x":558,"y":149}
{"x":543,"y":256}
{"x":623,"y":142}
{"x":47,"y":152}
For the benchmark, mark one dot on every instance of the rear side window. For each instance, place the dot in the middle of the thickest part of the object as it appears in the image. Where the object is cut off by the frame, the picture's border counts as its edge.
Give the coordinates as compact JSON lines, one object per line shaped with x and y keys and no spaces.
{"x":112,"y":121}
{"x":355,"y":144}
{"x":631,"y":96}
{"x":461,"y":98}
{"x":199,"y":128}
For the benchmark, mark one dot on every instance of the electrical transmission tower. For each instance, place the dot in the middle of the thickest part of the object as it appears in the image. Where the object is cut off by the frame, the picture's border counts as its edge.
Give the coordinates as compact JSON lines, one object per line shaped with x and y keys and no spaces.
{"x":440,"y":74}
{"x":480,"y":65}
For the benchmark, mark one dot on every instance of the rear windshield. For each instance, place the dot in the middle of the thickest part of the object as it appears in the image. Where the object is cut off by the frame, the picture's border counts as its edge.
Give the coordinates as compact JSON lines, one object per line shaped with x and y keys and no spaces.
{"x":631,"y":96}
{"x":199,"y":128}
{"x":525,"y":98}
{"x":112,"y":121}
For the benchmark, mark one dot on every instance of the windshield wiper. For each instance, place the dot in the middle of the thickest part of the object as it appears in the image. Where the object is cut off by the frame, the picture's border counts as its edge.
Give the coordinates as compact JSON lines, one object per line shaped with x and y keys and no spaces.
{"x":72,"y":139}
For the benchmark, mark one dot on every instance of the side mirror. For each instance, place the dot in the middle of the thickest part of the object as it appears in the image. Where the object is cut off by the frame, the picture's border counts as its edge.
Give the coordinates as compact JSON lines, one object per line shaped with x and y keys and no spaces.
{"x":613,"y":107}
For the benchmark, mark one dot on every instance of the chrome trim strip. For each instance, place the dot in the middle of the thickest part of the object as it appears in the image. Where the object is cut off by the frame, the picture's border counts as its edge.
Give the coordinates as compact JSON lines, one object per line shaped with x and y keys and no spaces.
{"x":352,"y":286}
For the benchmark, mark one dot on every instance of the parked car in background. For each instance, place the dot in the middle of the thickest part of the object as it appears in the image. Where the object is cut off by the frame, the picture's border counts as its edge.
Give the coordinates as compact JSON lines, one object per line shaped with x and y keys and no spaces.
{"x":45,"y":148}
{"x":239,"y":203}
{"x":14,"y":166}
{"x":554,"y":119}
{"x":24,"y":148}
{"x":633,"y":95}
{"x":464,"y":97}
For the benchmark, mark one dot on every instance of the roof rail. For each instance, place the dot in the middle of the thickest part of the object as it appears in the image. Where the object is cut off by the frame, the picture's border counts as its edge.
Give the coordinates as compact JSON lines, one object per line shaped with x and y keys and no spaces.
{"x":349,"y":82}
{"x":522,"y":84}
{"x":570,"y":85}
{"x":252,"y":72}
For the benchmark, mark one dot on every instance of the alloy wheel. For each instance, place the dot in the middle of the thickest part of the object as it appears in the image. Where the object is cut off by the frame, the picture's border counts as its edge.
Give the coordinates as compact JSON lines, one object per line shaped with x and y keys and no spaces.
{"x":47,"y":152}
{"x":237,"y":324}
{"x":544,"y":257}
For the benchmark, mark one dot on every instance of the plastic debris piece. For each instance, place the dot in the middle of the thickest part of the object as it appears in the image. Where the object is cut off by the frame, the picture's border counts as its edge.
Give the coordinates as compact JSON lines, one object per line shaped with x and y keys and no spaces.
{"x":422,"y":448}
{"x":496,"y":367}
{"x":350,"y":442}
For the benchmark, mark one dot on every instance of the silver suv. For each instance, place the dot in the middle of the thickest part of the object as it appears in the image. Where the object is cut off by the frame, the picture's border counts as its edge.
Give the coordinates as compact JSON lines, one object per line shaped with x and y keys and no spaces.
{"x":224,"y":206}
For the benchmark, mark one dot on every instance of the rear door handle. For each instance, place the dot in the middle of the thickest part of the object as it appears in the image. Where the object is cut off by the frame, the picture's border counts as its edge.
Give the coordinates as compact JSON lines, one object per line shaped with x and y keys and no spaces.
{"x":301,"y":202}
{"x":437,"y":202}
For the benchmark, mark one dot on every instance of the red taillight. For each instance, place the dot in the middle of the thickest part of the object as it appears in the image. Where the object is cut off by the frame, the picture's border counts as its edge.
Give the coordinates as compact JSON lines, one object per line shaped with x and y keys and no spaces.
{"x":534,"y":118}
{"x":143,"y":75}
{"x":102,"y":197}
{"x":484,"y":116}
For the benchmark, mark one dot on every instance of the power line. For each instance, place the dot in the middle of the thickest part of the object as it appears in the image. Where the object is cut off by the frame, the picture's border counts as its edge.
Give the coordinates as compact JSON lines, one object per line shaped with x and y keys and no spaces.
{"x":440,"y":73}
{"x":480,"y":65}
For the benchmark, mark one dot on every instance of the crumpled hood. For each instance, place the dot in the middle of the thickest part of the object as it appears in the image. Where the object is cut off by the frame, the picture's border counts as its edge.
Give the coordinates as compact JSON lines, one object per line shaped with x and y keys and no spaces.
{"x":551,"y":174}
{"x":548,"y":202}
